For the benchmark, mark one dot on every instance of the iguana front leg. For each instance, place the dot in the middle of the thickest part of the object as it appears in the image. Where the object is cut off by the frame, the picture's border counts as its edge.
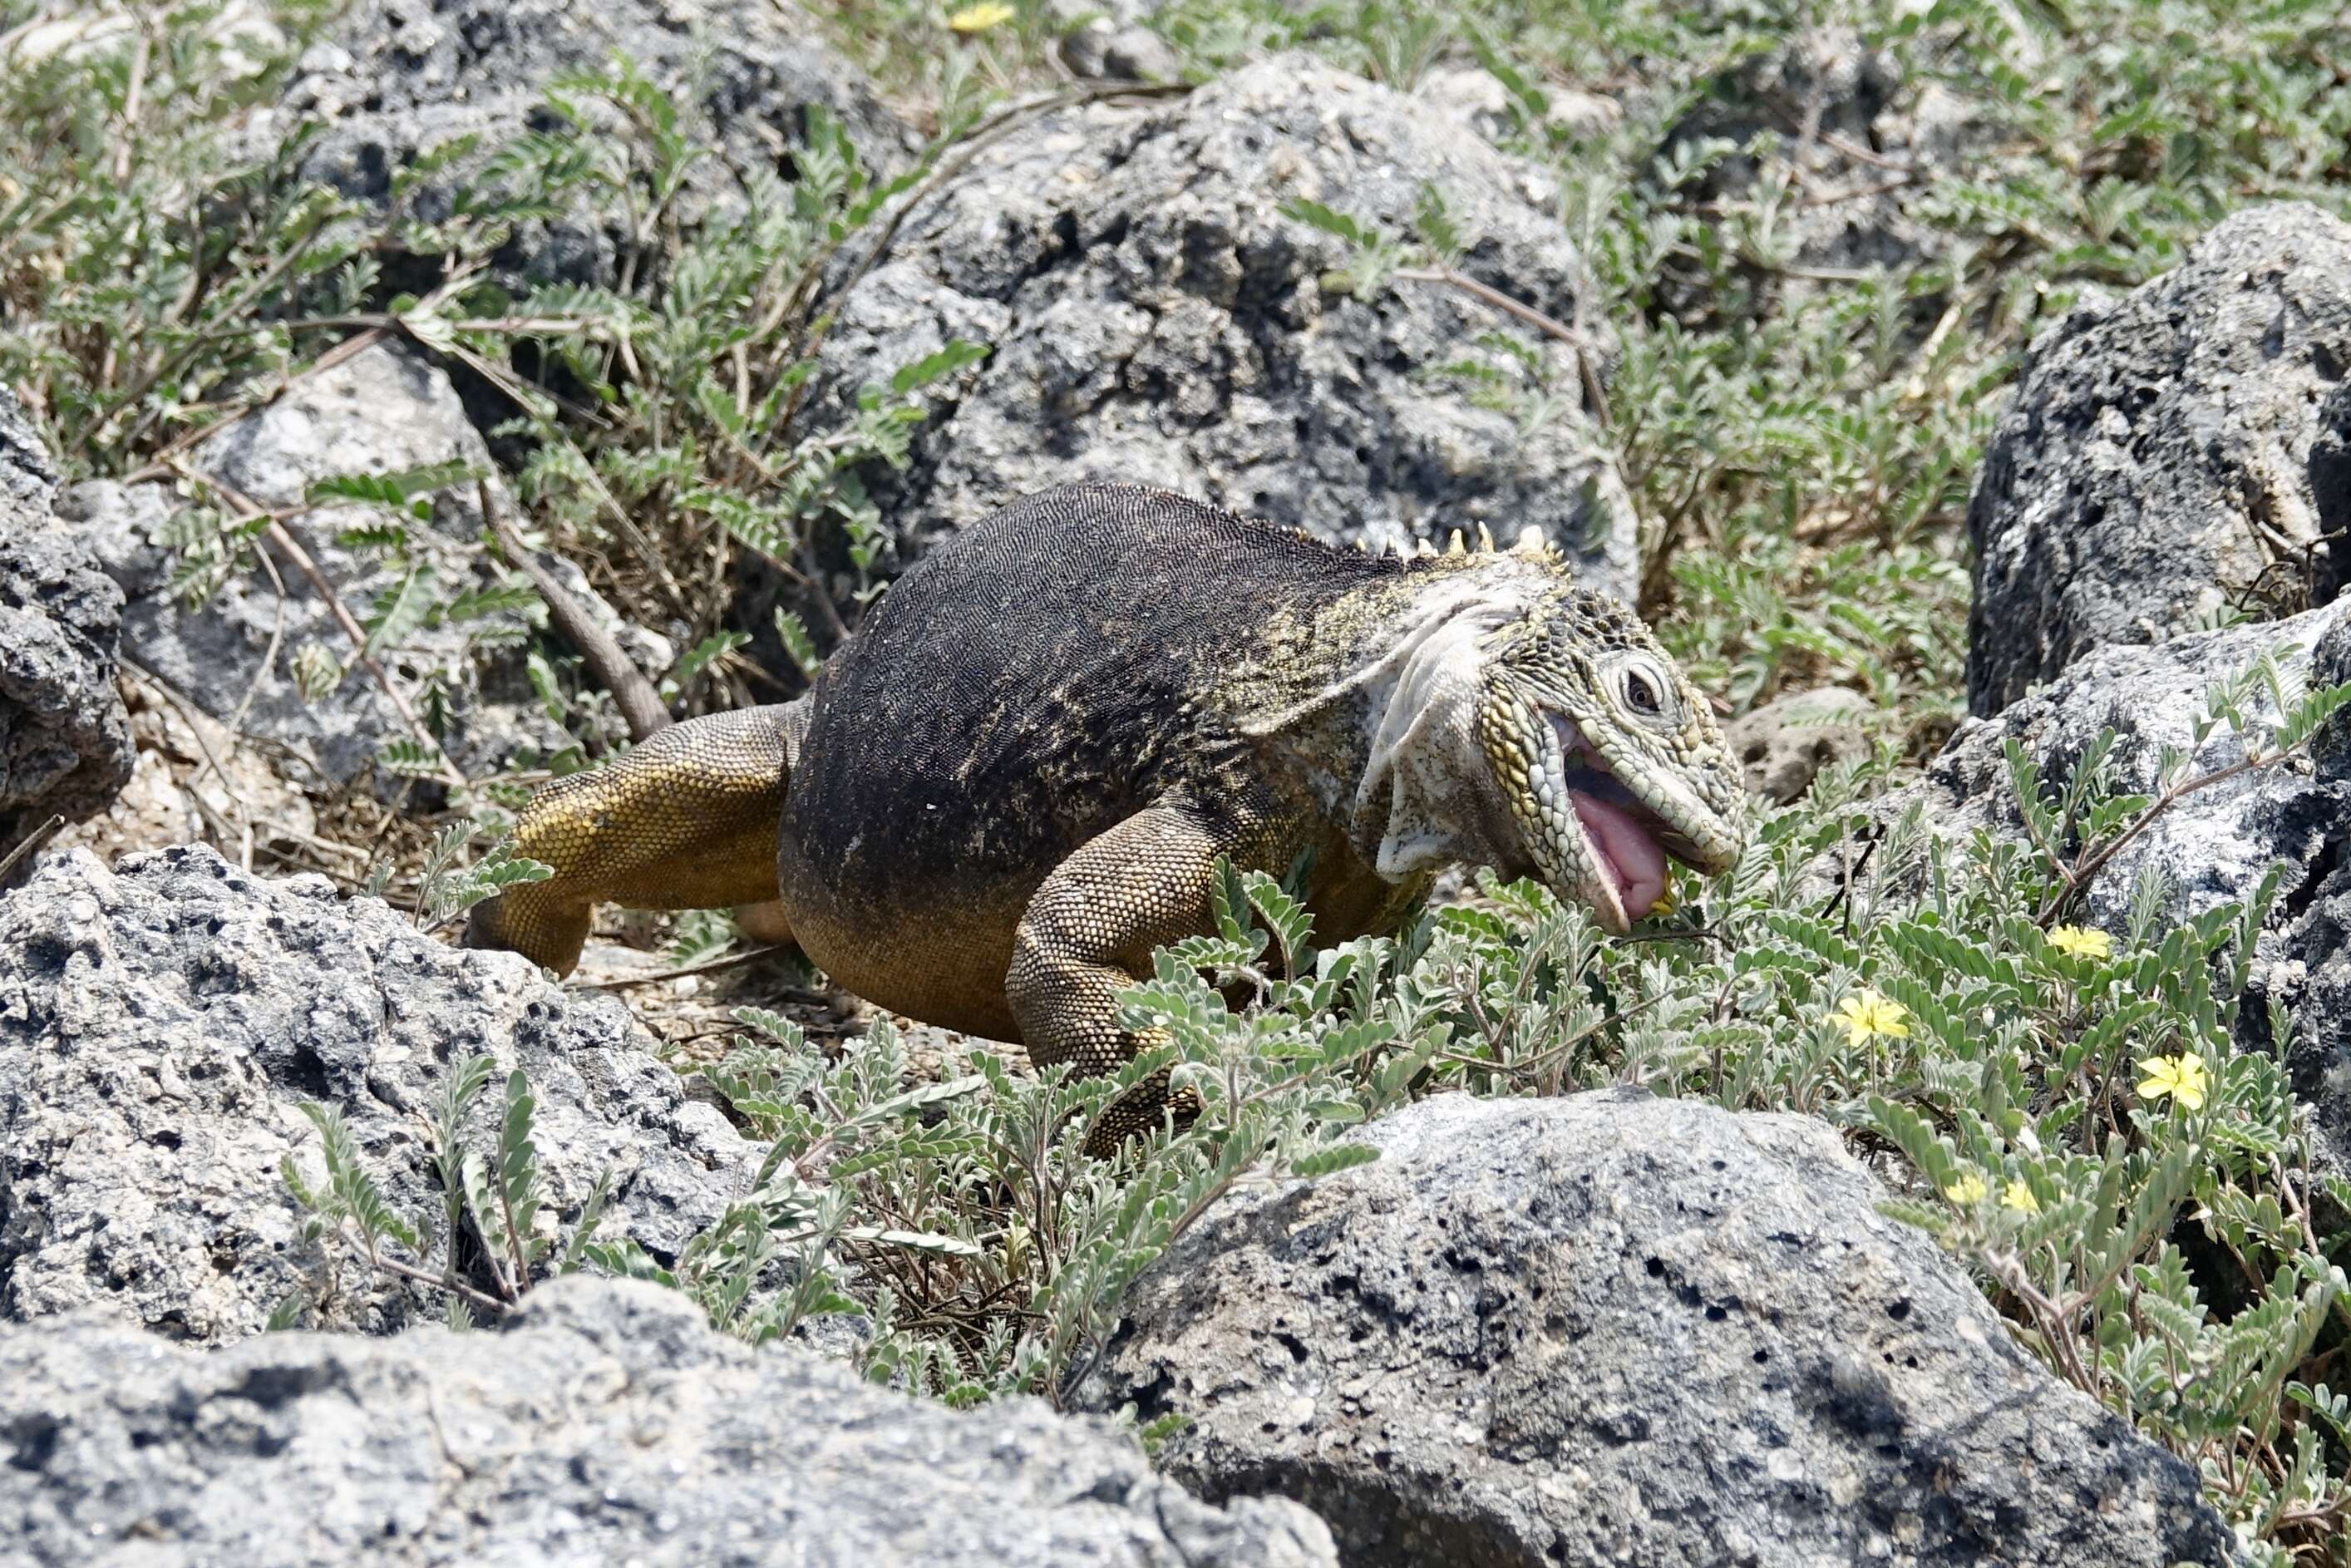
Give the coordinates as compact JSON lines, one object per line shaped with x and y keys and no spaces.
{"x":1089,"y":931}
{"x":685,"y":820}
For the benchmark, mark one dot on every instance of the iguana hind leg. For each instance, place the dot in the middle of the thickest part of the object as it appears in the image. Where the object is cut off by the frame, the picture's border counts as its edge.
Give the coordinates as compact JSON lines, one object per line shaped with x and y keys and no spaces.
{"x":1088,"y":933}
{"x":685,"y":820}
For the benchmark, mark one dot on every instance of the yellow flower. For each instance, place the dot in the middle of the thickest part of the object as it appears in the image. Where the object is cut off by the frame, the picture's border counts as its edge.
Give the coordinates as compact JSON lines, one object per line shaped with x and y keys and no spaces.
{"x":2019,"y":1197}
{"x":2182,"y":1077}
{"x":2082,"y":942}
{"x":979,"y":18}
{"x":1865,"y":1015}
{"x":1968,"y":1189}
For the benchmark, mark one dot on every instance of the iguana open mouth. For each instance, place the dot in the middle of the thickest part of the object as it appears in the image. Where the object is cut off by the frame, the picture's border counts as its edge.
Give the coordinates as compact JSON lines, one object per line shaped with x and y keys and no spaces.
{"x":1626,"y":841}
{"x":1622,"y":841}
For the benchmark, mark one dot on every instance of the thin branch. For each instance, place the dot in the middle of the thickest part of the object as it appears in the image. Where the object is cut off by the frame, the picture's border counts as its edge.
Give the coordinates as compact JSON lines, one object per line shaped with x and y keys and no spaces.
{"x":2091,"y":863}
{"x":472,"y":1297}
{"x":26,"y":846}
{"x":731,"y":961}
{"x":1860,"y":192}
{"x":514,"y":1237}
{"x":1595,"y":396}
{"x":1823,"y":274}
{"x":142,"y":55}
{"x":1852,"y":871}
{"x":639,"y":702}
{"x":1854,"y":149}
{"x":291,"y":547}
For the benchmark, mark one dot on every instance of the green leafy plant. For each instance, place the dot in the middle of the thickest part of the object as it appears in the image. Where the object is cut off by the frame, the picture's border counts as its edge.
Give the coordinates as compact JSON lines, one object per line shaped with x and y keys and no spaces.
{"x":489,"y":1239}
{"x":989,"y":1252}
{"x":668,"y":417}
{"x":448,"y":885}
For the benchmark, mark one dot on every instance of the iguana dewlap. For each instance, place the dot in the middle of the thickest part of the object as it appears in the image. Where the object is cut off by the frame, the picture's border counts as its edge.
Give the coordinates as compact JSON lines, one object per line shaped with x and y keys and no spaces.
{"x":1016,"y":779}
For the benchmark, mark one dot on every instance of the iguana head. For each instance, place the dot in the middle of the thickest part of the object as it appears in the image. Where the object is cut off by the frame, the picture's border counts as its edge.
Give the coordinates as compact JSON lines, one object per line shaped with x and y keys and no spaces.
{"x":1488,"y":710}
{"x":1606,"y":758}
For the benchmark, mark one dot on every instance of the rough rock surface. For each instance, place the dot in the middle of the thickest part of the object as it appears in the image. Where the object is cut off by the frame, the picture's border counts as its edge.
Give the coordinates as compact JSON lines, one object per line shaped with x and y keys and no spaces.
{"x":394,"y":78}
{"x":1110,"y":42}
{"x":607,"y":1424}
{"x":2213,"y":846}
{"x":177,"y":797}
{"x":381,"y":412}
{"x":1783,"y":745}
{"x":2169,"y":455}
{"x":1155,"y":319}
{"x":1472,"y":96}
{"x":1610,"y":1330}
{"x":161,"y":1024}
{"x":28,"y":477}
{"x":65,"y":740}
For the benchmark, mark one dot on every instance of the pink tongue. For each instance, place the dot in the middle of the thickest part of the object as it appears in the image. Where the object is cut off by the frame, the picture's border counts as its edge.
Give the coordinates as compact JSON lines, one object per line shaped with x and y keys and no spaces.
{"x":1635,"y":859}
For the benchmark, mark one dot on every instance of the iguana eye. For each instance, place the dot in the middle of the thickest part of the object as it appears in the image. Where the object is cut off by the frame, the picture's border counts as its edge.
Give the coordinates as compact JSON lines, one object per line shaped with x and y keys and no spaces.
{"x":1645,"y":690}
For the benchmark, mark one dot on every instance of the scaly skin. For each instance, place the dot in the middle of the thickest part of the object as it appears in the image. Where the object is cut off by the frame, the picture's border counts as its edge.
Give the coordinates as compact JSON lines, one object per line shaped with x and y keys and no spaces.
{"x":1016,"y":780}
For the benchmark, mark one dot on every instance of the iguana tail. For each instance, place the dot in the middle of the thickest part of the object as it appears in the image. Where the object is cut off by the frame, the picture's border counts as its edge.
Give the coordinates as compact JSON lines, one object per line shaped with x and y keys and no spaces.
{"x":688,"y":819}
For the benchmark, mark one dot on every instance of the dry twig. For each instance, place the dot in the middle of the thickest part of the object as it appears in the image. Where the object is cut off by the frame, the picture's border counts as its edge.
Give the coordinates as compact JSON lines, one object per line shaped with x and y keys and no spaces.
{"x":287,"y":544}
{"x":639,"y":702}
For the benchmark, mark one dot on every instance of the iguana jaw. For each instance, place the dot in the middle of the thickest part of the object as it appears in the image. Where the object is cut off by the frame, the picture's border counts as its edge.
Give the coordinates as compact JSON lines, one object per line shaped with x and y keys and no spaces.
{"x":1597,"y":828}
{"x":1621,"y":859}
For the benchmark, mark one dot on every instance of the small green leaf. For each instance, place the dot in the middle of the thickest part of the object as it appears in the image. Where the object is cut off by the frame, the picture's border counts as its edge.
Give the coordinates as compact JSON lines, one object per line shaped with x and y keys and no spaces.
{"x":317,"y":672}
{"x":793,"y":633}
{"x":1330,"y":1160}
{"x":1324,"y":218}
{"x":954,"y":356}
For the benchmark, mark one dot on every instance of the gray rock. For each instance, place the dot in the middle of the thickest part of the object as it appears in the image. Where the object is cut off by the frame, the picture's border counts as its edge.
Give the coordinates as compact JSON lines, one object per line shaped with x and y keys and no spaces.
{"x":382,"y":411}
{"x":1111,"y":43}
{"x":393,"y":78}
{"x":65,"y":740}
{"x":1484,"y":105}
{"x":160,"y":1026}
{"x":1101,"y":51}
{"x":607,"y":1424}
{"x":1155,"y":319}
{"x":2212,"y":847}
{"x":1612,"y":1330}
{"x":1852,"y":95}
{"x":1121,"y":12}
{"x":1587,"y":115}
{"x":28,"y":477}
{"x":1785,"y":744}
{"x":2306,"y":962}
{"x":1470,"y":96}
{"x":2169,"y":456}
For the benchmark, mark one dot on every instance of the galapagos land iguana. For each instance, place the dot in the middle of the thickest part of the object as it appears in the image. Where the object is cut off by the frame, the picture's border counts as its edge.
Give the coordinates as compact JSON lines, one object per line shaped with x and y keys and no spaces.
{"x":1015,"y":780}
